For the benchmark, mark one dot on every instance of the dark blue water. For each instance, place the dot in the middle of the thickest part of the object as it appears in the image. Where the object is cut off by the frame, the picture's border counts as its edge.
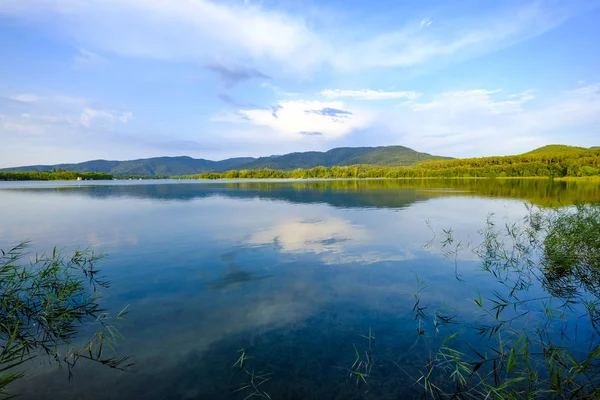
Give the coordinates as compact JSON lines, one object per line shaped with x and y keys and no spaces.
{"x":292,"y":272}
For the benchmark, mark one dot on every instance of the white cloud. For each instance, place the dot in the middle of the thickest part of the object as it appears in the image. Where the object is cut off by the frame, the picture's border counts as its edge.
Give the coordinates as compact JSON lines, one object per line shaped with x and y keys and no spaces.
{"x":25,"y":98}
{"x":38,"y":115}
{"x":186,"y":29}
{"x":19,"y":125}
{"x":474,"y":101}
{"x":458,"y":123}
{"x":297,"y":119}
{"x":34,"y":123}
{"x":106,"y":118}
{"x":486,"y":122}
{"x":368,"y":94}
{"x":208,"y":31}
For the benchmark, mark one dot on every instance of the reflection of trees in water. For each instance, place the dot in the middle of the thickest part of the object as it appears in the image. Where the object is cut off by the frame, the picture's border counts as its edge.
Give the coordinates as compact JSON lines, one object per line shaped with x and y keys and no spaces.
{"x":384,"y":193}
{"x":571,"y":256}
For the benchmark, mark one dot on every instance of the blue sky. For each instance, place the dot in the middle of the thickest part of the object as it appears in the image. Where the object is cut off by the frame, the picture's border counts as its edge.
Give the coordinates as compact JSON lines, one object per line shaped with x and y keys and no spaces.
{"x":124,"y":79}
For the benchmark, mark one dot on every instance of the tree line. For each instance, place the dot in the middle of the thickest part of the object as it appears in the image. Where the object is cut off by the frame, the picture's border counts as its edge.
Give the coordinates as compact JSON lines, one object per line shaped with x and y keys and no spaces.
{"x":585,"y":162}
{"x":54,"y":176}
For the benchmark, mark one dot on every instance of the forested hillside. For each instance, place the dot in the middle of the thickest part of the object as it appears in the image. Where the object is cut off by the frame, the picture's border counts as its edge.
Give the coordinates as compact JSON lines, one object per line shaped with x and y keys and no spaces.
{"x":549,"y":161}
{"x":555,"y":149}
{"x":169,"y":166}
{"x":157,"y":166}
{"x":348,"y":162}
{"x":553,"y":160}
{"x":344,"y":156}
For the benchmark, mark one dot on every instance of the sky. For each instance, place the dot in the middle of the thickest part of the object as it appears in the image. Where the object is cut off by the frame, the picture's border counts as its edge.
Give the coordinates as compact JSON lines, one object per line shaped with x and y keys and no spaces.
{"x":127,"y":79}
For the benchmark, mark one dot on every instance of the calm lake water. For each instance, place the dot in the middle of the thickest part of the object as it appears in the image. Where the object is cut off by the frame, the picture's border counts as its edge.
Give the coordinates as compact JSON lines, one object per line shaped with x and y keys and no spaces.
{"x":294,"y":272}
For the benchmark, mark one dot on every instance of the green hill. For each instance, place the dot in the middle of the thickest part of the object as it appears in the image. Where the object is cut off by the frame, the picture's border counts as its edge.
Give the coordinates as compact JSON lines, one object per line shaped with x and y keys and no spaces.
{"x":172,"y":166}
{"x":169,"y":166}
{"x":393,"y":156}
{"x":88,"y":166}
{"x":343,"y":156}
{"x":157,"y":166}
{"x":550,"y":161}
{"x":556,"y":148}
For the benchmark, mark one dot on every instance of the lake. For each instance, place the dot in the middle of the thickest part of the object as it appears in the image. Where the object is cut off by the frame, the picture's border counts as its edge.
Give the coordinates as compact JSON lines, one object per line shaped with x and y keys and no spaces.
{"x":297,"y":273}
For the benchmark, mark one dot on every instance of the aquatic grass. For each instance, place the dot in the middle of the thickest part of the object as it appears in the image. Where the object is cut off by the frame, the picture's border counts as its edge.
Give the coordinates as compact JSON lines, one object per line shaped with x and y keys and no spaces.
{"x":362,"y":366}
{"x":45,"y":304}
{"x":251,"y":386}
{"x":241,"y":361}
{"x":536,"y":334}
{"x":256,"y":380}
{"x":536,"y":346}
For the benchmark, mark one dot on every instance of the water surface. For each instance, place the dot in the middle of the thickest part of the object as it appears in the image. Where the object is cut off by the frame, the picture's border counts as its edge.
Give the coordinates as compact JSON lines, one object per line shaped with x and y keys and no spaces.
{"x":294,"y":272}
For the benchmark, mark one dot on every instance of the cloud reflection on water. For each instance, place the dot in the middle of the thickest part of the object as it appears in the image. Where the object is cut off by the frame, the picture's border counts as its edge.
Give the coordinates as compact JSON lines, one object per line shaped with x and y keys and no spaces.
{"x":225,"y":266}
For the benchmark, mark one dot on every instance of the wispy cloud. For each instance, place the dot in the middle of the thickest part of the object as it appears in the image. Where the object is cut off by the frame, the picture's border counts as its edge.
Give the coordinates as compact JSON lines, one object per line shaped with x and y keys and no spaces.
{"x":86,"y":58}
{"x":227,"y":99}
{"x":107,"y":119}
{"x":25,"y":98}
{"x":231,"y":76}
{"x":40,"y":114}
{"x":466,"y":122}
{"x":204,"y":30}
{"x":426,"y":22}
{"x":368,"y":94}
{"x":454,"y":38}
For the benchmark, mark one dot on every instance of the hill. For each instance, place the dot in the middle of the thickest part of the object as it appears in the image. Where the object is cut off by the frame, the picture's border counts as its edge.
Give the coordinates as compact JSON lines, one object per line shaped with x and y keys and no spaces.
{"x":552,"y":160}
{"x":157,"y":166}
{"x":549,"y":161}
{"x":555,"y":149}
{"x":171,"y":166}
{"x":391,"y":161}
{"x":343,"y":156}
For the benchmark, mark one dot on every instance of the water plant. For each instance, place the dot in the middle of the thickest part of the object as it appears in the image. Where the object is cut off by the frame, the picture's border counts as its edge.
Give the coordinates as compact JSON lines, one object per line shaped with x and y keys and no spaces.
{"x":538,"y":329}
{"x":46,"y":302}
{"x":251,"y":387}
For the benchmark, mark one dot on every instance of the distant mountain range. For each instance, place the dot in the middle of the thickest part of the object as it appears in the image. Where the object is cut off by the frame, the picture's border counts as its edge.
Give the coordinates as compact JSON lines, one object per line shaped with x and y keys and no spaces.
{"x":171,"y":166}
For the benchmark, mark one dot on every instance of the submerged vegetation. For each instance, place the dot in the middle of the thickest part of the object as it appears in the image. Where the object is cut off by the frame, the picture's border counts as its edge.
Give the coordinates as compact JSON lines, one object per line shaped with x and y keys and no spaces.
{"x":554,"y":162}
{"x":45,"y":305}
{"x":534,"y":334}
{"x":58,"y":175}
{"x":540,"y":327}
